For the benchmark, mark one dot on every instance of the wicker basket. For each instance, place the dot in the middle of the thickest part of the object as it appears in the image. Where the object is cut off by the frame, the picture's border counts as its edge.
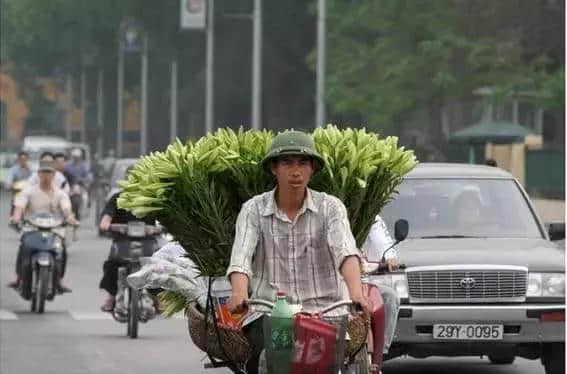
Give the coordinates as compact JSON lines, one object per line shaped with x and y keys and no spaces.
{"x":237,"y":346}
{"x":234,"y":342}
{"x":357,"y":329}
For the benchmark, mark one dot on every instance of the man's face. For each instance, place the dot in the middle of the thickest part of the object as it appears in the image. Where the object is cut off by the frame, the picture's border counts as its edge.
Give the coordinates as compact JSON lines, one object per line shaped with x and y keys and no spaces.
{"x":45,"y":177}
{"x":60,"y":163}
{"x":293,"y":171}
{"x":23,"y":160}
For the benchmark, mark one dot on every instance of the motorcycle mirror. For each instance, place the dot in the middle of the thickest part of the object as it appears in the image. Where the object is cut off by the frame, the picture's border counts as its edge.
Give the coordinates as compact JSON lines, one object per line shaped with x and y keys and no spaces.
{"x":401,"y":230}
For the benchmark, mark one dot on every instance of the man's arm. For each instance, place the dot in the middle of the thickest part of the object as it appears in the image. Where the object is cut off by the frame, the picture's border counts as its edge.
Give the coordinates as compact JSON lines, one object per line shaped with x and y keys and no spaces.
{"x":17,"y":214}
{"x":239,"y":271}
{"x":343,"y":246}
{"x":65,"y":205}
{"x":9,"y":178}
{"x":351,"y":274}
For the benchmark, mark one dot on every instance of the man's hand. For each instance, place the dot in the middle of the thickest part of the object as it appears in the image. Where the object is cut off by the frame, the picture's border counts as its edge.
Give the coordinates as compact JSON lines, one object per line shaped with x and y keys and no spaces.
{"x":105,"y":222}
{"x":239,"y":283}
{"x":393,"y":264}
{"x":15,"y":220}
{"x":235,"y":302}
{"x":73,"y":221}
{"x":362,"y":300}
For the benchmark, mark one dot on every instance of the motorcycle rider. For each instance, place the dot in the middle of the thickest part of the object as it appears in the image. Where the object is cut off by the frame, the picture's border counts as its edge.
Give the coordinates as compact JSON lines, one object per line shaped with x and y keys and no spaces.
{"x":112,"y":214}
{"x":376,"y":243}
{"x":78,"y":171}
{"x":59,"y":179}
{"x":43,"y":198}
{"x":20,"y":171}
{"x":293,"y":239}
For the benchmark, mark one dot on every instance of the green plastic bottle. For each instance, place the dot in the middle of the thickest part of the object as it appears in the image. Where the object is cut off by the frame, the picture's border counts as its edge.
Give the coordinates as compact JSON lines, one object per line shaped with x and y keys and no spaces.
{"x":281,"y":336}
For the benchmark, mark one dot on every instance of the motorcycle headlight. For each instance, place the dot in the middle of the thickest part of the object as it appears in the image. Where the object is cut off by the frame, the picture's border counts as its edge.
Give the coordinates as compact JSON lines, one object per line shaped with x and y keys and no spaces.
{"x":57,"y":244}
{"x":546,"y":285}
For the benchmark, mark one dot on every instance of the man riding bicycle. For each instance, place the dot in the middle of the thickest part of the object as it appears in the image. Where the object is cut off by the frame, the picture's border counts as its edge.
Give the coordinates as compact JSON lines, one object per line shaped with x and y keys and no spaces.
{"x":293,"y":239}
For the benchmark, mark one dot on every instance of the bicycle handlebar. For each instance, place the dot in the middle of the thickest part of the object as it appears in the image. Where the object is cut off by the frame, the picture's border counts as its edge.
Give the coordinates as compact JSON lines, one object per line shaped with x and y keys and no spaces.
{"x":331,"y":307}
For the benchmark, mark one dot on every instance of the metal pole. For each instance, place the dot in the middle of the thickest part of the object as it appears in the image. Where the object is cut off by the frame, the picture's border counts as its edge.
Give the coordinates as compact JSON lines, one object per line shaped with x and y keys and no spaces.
{"x":320,"y":95}
{"x":257,"y":66}
{"x":119,"y":114}
{"x":100,"y":112}
{"x":209,"y":94}
{"x":144,"y":100}
{"x":173,"y":102}
{"x":83,"y":105}
{"x":68,"y":107}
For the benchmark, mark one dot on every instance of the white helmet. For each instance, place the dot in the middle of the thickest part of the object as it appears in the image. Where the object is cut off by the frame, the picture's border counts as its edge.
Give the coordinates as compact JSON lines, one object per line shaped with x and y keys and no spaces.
{"x":76,"y":152}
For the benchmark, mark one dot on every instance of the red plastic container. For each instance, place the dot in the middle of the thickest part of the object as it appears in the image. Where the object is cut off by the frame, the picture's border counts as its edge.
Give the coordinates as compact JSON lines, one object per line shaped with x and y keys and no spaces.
{"x":315,"y":346}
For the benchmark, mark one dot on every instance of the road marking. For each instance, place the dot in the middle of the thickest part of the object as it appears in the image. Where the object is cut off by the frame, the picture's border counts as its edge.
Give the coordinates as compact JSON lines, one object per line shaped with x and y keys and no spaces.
{"x":6,"y":315}
{"x":90,"y":316}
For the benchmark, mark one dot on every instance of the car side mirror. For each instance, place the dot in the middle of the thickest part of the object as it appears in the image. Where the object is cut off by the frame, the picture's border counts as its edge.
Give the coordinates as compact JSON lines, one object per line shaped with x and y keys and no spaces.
{"x":556,"y":231}
{"x":401,"y":230}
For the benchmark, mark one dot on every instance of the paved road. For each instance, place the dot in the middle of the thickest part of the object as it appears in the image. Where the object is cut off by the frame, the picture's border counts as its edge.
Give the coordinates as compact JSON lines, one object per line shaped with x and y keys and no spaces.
{"x":74,"y":337}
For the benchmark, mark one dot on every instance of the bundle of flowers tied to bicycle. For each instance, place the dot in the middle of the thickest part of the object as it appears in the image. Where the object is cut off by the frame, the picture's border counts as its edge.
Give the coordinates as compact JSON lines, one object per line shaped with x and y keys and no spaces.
{"x":196,"y":190}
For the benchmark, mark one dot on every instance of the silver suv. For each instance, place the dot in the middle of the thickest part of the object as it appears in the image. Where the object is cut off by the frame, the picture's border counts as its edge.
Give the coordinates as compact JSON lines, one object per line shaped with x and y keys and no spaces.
{"x":483,"y":275}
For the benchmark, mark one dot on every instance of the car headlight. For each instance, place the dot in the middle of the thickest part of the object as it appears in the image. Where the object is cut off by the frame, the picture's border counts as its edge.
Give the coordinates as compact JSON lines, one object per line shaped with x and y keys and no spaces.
{"x":396,"y":281}
{"x":546,"y":285}
{"x":400,"y":284}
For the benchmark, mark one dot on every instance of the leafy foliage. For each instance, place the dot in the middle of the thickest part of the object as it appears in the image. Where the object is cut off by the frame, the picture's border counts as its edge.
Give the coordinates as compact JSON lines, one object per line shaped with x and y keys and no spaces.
{"x":196,"y":189}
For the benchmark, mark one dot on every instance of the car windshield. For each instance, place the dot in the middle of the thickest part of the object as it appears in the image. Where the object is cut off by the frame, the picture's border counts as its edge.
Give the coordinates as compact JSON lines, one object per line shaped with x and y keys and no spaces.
{"x":462,"y":208}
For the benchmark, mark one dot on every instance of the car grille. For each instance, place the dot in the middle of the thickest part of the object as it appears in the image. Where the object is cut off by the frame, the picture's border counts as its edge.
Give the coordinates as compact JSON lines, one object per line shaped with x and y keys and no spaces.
{"x":458,"y":284}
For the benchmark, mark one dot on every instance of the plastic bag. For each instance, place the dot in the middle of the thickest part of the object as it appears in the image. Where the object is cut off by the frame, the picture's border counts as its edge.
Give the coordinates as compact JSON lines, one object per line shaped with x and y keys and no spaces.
{"x":166,"y":269}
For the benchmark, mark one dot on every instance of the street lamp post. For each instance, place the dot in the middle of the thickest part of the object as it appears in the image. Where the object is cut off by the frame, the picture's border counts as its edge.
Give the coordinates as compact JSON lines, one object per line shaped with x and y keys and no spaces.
{"x":173,"y":103}
{"x":320,"y":94}
{"x":100,"y":112}
{"x":144,"y":99}
{"x":119,"y":108}
{"x":257,"y":66}
{"x":209,"y":94}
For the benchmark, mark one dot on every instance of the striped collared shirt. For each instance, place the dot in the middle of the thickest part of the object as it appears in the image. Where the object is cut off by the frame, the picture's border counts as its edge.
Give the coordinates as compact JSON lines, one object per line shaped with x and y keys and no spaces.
{"x":300,"y":257}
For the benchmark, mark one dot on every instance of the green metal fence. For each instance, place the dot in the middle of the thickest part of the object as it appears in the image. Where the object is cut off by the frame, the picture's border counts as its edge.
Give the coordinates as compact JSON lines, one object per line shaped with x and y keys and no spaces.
{"x":545,"y":173}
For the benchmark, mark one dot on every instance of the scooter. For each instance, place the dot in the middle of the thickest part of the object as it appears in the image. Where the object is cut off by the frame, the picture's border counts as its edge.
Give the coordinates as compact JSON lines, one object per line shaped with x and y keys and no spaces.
{"x":134,"y":240}
{"x":42,"y":259}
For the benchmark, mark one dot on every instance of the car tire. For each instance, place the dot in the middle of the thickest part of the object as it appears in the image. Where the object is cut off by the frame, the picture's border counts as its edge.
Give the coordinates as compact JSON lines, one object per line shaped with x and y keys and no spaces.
{"x":554,"y":358}
{"x":505,"y":359}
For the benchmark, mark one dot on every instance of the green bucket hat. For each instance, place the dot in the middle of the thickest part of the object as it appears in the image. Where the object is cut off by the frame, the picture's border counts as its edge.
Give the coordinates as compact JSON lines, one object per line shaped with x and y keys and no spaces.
{"x":292,"y":142}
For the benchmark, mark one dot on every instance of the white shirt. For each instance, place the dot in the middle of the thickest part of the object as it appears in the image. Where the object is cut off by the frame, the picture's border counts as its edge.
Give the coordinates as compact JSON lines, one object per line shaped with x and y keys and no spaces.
{"x":378,"y":241}
{"x":59,"y":181}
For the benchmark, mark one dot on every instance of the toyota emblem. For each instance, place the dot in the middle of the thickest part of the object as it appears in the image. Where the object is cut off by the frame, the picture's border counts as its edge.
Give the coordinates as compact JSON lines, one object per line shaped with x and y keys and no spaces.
{"x":468,"y":283}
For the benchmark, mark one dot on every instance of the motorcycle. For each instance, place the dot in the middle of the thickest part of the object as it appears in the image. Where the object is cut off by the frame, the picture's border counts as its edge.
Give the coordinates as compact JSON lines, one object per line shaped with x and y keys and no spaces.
{"x":39,"y":271}
{"x":134,"y":240}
